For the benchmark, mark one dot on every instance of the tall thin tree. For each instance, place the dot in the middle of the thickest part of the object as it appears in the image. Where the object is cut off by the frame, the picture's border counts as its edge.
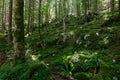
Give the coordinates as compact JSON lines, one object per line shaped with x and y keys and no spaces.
{"x":3,"y":9}
{"x":10,"y":21}
{"x":39,"y":18}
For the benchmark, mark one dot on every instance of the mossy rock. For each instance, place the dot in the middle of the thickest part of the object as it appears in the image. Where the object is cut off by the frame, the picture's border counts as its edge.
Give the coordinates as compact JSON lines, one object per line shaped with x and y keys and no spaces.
{"x":82,"y":76}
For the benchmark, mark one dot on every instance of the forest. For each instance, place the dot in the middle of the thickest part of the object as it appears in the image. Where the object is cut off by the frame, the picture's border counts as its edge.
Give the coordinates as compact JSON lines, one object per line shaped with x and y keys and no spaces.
{"x":59,"y":39}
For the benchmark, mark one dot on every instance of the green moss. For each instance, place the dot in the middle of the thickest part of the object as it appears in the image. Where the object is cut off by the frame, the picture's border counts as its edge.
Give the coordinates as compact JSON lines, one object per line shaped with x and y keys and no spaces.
{"x":82,"y":76}
{"x":98,"y":77}
{"x":38,"y":72}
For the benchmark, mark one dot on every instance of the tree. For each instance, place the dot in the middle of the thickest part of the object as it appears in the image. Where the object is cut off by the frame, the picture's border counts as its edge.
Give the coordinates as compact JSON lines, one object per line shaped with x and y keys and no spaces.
{"x":3,"y":11}
{"x":78,"y":7}
{"x":119,"y":7}
{"x":64,"y":17}
{"x":84,"y":5}
{"x":29,"y":16}
{"x":112,"y":2}
{"x":10,"y":21}
{"x":19,"y":53}
{"x":39,"y":19}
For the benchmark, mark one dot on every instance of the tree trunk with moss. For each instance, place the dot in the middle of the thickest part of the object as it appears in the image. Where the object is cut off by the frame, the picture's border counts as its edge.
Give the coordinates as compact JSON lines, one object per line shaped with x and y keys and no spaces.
{"x":19,"y":53}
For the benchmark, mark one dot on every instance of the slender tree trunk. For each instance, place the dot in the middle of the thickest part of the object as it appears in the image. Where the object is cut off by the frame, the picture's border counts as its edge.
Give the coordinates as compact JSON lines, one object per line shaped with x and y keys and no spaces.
{"x":95,"y":5}
{"x":29,"y":16}
{"x":3,"y":9}
{"x":112,"y":5}
{"x":25,"y":10}
{"x":0,"y":13}
{"x":47,"y":11}
{"x":5,"y":14}
{"x":84,"y":5}
{"x":56,"y":9}
{"x":119,"y":7}
{"x":19,"y":53}
{"x":10,"y":21}
{"x":59,"y":9}
{"x":78,"y":7}
{"x":64,"y":25}
{"x":39,"y":19}
{"x":68,"y":7}
{"x":32,"y":16}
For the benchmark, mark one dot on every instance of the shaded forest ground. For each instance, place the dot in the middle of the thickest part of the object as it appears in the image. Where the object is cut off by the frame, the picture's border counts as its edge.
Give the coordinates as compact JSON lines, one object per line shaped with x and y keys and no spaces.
{"x":91,"y":52}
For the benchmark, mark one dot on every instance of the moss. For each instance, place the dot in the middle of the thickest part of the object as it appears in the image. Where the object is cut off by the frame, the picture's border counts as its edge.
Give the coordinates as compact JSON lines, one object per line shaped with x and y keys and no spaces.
{"x":38,"y":72}
{"x":98,"y":77}
{"x":82,"y":76}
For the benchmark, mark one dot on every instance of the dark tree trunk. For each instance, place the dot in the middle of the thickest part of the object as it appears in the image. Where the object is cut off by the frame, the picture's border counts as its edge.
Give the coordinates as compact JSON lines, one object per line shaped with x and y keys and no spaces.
{"x":39,"y":23}
{"x":10,"y":21}
{"x":3,"y":9}
{"x":119,"y":7}
{"x":29,"y":16}
{"x":112,"y":2}
{"x":19,"y":53}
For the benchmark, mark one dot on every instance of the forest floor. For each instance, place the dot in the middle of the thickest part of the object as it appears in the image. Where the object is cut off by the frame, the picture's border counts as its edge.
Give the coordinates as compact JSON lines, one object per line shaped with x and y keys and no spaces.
{"x":91,"y":52}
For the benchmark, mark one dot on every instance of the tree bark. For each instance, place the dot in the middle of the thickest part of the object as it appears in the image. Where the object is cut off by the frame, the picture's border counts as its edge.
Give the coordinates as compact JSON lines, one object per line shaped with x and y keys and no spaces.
{"x":64,"y":17}
{"x":78,"y":7}
{"x":112,"y":5}
{"x":32,"y":16}
{"x":3,"y":9}
{"x":119,"y":7}
{"x":10,"y":21}
{"x":19,"y":53}
{"x":29,"y":16}
{"x":39,"y":19}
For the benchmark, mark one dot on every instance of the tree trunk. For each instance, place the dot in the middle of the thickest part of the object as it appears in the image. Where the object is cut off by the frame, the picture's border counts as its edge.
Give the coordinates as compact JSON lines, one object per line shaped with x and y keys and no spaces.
{"x":59,"y":9}
{"x":56,"y":9}
{"x":29,"y":16}
{"x":19,"y":53}
{"x":32,"y":15}
{"x":3,"y":9}
{"x":112,"y":5}
{"x":39,"y":23}
{"x":119,"y":7}
{"x":95,"y":5}
{"x":84,"y":5}
{"x":64,"y":25}
{"x":78,"y":7}
{"x":10,"y":21}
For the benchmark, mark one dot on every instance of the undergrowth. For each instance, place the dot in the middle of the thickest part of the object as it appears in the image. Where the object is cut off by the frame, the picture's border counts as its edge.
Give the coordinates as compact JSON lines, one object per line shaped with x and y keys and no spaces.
{"x":91,"y":52}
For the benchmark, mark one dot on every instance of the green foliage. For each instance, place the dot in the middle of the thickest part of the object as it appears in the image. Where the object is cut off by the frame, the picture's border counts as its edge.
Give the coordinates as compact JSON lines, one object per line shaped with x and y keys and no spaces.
{"x":5,"y":47}
{"x":87,"y":48}
{"x":8,"y":72}
{"x":112,"y":20}
{"x":68,"y":68}
{"x":98,"y":77}
{"x":36,"y":71}
{"x":2,"y":35}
